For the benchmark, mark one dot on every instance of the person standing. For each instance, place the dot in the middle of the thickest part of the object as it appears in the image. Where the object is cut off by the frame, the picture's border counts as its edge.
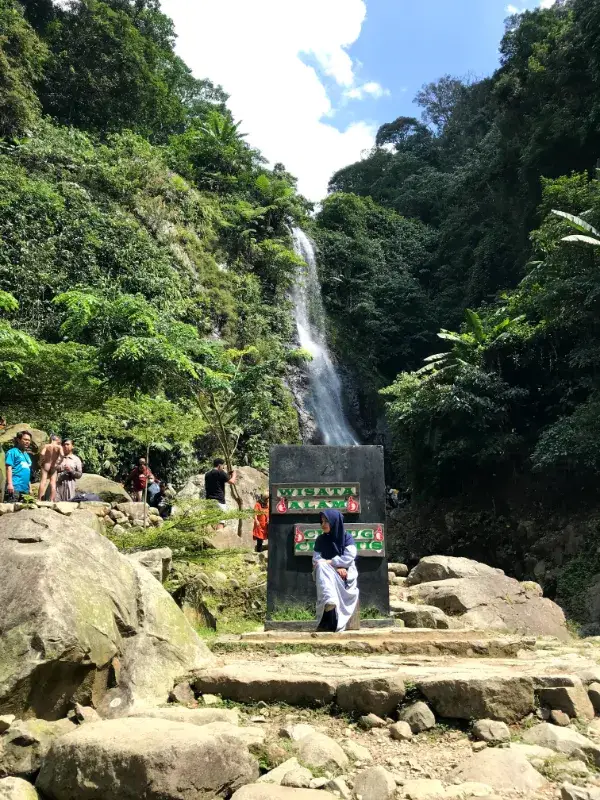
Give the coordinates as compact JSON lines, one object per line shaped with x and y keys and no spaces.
{"x":70,"y":470}
{"x":138,"y":479}
{"x":51,"y":455}
{"x":214,"y":483}
{"x":18,"y":468}
{"x":260,"y":531}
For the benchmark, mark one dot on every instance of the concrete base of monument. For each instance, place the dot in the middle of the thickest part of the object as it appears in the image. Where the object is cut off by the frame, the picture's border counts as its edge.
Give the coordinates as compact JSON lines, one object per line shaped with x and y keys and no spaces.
{"x":310,"y":625}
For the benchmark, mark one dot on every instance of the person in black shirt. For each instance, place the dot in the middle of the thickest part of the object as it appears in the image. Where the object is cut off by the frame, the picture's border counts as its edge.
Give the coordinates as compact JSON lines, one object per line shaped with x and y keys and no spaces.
{"x":214,"y":484}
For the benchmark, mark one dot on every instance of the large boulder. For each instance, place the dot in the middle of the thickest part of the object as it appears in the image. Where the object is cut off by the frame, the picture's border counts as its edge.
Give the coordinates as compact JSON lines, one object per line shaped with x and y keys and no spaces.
{"x":503,"y":770}
{"x":507,"y":699}
{"x":38,"y":437}
{"x":107,"y":490}
{"x":76,"y":614}
{"x":250,"y":484}
{"x":145,"y":758}
{"x":492,"y":601}
{"x":441,"y":568}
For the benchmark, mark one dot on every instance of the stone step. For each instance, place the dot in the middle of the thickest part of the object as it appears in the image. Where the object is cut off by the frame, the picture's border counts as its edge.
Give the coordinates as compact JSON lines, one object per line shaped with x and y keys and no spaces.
{"x":462,"y":688}
{"x":401,"y":641}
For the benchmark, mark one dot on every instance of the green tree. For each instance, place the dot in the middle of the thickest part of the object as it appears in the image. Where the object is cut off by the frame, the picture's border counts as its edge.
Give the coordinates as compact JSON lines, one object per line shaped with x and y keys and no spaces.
{"x":22,"y":57}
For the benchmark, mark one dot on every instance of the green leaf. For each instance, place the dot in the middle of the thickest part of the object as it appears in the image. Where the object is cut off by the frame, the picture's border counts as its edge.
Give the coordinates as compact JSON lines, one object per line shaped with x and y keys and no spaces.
{"x":475,"y":324}
{"x":576,"y":222}
{"x":580,"y":238}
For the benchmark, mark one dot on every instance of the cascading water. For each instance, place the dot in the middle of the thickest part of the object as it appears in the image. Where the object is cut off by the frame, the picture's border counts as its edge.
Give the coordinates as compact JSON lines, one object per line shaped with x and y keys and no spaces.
{"x":324,"y":401}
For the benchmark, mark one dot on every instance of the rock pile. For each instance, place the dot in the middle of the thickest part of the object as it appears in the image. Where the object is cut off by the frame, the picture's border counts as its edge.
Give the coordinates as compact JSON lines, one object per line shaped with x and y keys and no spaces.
{"x":443,"y":592}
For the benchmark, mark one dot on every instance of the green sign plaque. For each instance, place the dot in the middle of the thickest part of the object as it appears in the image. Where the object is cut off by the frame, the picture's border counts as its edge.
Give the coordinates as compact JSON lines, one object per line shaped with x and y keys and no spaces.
{"x":310,"y":498}
{"x":369,"y":538}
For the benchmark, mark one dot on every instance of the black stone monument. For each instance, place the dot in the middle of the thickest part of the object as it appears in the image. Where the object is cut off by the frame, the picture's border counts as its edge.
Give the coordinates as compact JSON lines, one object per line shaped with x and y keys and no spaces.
{"x":290,"y":580}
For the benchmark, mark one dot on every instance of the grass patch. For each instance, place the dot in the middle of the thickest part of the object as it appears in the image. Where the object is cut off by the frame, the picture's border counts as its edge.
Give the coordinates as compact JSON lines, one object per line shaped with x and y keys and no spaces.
{"x":294,"y":613}
{"x":370,"y":612}
{"x":229,"y":626}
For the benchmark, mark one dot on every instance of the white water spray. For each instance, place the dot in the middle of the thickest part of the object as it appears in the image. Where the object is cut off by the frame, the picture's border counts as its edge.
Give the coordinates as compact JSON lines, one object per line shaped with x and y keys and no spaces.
{"x":325,"y":398}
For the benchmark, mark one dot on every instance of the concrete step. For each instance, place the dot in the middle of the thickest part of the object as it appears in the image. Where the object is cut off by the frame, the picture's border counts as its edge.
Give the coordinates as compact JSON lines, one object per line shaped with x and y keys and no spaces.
{"x":401,"y":641}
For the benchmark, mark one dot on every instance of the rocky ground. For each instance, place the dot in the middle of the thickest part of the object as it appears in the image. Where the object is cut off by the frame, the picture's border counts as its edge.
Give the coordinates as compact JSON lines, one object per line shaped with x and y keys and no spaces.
{"x":108,"y":693}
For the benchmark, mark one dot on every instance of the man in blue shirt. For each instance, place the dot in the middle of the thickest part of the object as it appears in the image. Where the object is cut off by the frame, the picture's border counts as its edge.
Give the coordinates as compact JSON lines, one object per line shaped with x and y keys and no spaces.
{"x":18,"y":467}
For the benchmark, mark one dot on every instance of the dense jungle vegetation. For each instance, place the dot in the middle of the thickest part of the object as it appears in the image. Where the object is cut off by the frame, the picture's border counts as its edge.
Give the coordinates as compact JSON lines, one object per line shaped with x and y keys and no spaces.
{"x":449,"y":224}
{"x":145,"y":254}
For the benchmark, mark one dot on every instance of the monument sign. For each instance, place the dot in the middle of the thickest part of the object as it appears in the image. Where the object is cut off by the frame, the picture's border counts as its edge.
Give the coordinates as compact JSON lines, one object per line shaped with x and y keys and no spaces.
{"x":304,"y":481}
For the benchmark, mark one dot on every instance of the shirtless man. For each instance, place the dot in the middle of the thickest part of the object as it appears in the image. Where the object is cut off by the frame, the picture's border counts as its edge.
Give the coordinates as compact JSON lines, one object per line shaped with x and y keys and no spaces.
{"x":51,"y":455}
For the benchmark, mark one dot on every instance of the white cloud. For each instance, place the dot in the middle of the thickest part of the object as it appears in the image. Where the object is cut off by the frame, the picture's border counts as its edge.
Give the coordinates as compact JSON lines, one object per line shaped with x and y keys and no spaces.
{"x":372,"y":89}
{"x":547,"y":3}
{"x":255,"y":50}
{"x":510,"y":9}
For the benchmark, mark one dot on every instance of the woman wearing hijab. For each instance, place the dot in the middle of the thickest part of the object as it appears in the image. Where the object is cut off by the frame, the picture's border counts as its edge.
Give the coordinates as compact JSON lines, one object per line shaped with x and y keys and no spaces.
{"x":336,"y":575}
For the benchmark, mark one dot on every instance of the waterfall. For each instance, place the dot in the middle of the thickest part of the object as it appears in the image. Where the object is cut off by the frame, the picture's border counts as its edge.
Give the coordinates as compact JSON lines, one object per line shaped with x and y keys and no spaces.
{"x":324,"y":400}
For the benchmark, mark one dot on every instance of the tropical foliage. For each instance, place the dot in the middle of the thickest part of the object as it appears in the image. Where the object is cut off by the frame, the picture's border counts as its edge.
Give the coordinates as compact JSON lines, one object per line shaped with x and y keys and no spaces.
{"x":145,"y":253}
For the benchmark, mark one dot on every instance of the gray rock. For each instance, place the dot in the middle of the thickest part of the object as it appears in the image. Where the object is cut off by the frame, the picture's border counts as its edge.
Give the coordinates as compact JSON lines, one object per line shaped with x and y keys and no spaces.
{"x":573,"y":700}
{"x":370,"y":721}
{"x":260,"y":791}
{"x":182,"y":693}
{"x":85,"y":714}
{"x":298,"y":778}
{"x":319,"y":783}
{"x":400,"y":570}
{"x":109,"y":491}
{"x":158,"y":562}
{"x":594,"y":695}
{"x":276,"y":775}
{"x":423,"y":789}
{"x":26,"y":743}
{"x":70,"y":604}
{"x":239,"y":684}
{"x":296,"y":732}
{"x":503,"y":770}
{"x":339,"y":788}
{"x":559,"y":718}
{"x":192,"y":716}
{"x":489,"y":730}
{"x":494,"y":602}
{"x":356,"y":751}
{"x":6,"y":720}
{"x":415,"y":615}
{"x":508,"y":699}
{"x":17,"y":789}
{"x":419,"y":716}
{"x":380,"y":696}
{"x":570,"y":792}
{"x":563,"y":740}
{"x":375,"y":783}
{"x":401,"y":731}
{"x":441,"y":568}
{"x":178,"y":762}
{"x":318,"y":751}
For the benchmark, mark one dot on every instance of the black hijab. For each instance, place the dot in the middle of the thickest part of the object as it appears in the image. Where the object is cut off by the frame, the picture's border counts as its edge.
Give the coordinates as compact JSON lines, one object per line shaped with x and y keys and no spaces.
{"x":333,"y":544}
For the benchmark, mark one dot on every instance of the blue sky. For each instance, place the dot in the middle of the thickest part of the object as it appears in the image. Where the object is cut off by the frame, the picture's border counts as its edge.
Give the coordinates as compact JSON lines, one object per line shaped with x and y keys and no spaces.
{"x":312,"y":80}
{"x":404,"y":45}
